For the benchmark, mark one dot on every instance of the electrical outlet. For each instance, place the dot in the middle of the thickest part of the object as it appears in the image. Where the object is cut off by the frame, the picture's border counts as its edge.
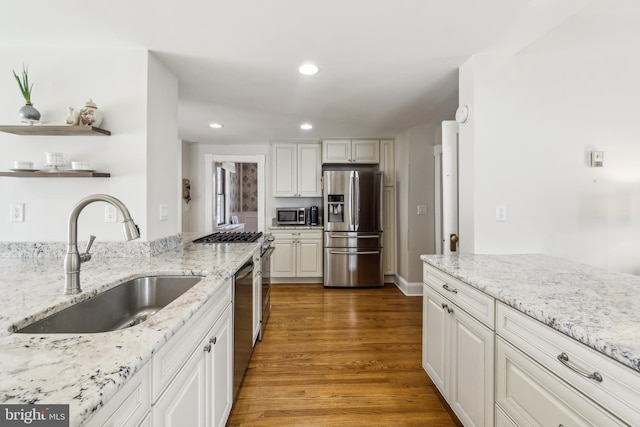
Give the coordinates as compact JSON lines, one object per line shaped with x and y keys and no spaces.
{"x":110,"y":213}
{"x":17,"y":212}
{"x":501,"y":213}
{"x":422,"y":209}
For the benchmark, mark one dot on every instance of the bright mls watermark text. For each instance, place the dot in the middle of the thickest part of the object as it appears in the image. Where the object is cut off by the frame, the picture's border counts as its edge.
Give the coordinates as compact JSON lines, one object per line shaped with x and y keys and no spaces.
{"x":34,"y":415}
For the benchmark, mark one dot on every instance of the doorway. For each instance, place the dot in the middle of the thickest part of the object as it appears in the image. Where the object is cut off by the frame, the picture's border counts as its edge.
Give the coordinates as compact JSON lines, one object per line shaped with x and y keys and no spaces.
{"x":249,"y":202}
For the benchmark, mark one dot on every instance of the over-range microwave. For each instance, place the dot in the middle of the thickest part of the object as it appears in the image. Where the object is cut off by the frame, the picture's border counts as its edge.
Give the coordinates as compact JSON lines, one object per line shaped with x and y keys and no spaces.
{"x":290,"y":216}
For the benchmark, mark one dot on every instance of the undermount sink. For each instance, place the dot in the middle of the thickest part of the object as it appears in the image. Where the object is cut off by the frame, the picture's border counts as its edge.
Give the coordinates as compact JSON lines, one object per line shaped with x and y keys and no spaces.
{"x":123,"y":306}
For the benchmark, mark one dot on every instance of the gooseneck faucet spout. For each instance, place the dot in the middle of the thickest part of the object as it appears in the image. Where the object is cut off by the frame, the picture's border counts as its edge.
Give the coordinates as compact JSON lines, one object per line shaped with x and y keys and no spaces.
{"x":73,"y":259}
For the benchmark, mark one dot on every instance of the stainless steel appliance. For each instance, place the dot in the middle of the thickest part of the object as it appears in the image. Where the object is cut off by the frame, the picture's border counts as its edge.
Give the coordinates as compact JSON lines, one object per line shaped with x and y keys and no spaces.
{"x":313,"y":215}
{"x":290,"y":216}
{"x":353,"y":227}
{"x":265,"y":258}
{"x":243,"y":299}
{"x":242,"y":325}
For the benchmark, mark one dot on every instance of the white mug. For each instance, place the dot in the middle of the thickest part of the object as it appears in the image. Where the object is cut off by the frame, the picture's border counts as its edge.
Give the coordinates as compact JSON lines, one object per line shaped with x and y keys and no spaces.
{"x":22,"y":164}
{"x":55,"y":159}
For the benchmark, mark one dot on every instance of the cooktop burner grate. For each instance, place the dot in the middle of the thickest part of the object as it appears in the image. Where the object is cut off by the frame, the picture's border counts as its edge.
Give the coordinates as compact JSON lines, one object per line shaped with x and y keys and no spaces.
{"x":230,"y":237}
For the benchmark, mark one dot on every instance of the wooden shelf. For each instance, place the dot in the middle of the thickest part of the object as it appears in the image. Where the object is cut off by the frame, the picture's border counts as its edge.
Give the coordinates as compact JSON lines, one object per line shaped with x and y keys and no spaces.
{"x":44,"y":174}
{"x":55,"y":130}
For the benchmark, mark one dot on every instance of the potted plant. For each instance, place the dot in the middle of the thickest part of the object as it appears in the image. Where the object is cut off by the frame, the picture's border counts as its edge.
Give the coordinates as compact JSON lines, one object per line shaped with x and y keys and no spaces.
{"x":28,"y":113}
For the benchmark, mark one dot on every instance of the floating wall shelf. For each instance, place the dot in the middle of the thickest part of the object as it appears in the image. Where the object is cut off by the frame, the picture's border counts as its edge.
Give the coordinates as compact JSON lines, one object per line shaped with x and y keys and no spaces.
{"x":54,"y":130}
{"x":41,"y":174}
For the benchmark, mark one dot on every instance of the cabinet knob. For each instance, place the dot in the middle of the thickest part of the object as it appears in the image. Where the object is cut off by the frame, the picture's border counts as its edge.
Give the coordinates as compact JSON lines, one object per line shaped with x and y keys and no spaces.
{"x":213,"y":340}
{"x":207,"y":348}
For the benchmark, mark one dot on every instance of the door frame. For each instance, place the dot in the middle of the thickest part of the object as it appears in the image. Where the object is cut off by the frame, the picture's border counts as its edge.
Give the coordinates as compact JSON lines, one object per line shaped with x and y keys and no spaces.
{"x":209,"y":161}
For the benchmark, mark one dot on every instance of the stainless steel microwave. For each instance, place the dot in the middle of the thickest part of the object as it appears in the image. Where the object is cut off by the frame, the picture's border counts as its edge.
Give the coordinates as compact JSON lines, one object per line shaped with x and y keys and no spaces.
{"x":290,"y":216}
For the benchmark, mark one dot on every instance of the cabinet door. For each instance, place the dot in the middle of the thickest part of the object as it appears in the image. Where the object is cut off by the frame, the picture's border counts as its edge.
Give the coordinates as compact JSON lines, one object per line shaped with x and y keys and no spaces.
{"x":471,"y":385}
{"x":389,"y":235}
{"x":183,"y":403}
{"x":435,"y":347}
{"x":388,"y":162}
{"x":285,"y":170}
{"x":309,"y":170}
{"x":336,"y":151}
{"x":220,"y":365}
{"x":365,"y":151}
{"x":283,"y":259}
{"x":309,"y":258}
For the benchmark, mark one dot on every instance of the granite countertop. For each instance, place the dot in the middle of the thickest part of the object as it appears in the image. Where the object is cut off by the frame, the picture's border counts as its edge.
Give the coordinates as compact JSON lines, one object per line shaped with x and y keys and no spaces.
{"x":595,"y":307}
{"x":86,"y":370}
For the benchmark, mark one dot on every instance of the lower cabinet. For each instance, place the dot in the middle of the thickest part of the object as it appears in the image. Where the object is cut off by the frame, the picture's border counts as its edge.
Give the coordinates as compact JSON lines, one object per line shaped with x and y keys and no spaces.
{"x":188,"y":382}
{"x":458,"y":355}
{"x":298,"y":253}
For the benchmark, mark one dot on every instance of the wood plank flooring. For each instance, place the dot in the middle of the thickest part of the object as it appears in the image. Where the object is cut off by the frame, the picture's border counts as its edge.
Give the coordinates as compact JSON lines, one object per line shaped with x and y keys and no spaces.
{"x":340,"y":357}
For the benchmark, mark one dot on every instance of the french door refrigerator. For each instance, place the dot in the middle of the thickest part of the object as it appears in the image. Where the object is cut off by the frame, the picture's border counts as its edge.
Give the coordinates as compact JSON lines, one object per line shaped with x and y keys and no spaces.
{"x":353,"y":227}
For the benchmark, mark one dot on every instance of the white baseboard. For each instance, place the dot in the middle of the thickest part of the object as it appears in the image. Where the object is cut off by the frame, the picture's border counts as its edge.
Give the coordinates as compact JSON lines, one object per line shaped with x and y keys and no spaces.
{"x":410,"y":289}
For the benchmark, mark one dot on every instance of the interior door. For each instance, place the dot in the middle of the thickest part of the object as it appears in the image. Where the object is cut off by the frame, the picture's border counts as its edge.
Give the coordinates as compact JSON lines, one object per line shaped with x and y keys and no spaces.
{"x":446,"y":157}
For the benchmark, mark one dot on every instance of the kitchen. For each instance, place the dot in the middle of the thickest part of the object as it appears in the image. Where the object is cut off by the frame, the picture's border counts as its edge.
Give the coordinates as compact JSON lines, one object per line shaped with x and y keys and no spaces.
{"x":536,"y":123}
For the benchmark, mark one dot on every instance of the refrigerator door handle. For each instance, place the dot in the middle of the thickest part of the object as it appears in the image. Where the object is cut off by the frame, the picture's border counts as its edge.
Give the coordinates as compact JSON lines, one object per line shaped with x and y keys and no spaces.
{"x":354,"y":253}
{"x":357,"y":198}
{"x":368,"y":236}
{"x":352,"y":219}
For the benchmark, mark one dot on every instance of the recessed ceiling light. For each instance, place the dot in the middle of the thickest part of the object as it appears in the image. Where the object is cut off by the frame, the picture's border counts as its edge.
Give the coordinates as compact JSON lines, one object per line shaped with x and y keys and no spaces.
{"x":215,"y":125}
{"x":308,"y":69}
{"x":306,"y":126}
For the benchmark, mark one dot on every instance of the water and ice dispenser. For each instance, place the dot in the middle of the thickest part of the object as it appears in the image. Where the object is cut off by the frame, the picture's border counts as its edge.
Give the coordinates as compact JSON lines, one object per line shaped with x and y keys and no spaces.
{"x":335,"y":207}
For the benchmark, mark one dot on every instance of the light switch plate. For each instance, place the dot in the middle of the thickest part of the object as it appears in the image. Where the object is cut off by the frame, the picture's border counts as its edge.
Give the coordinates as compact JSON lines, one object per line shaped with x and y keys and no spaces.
{"x":164,"y":212}
{"x":110,"y":213}
{"x":597,"y":159}
{"x":501,"y":213}
{"x":422,"y":209}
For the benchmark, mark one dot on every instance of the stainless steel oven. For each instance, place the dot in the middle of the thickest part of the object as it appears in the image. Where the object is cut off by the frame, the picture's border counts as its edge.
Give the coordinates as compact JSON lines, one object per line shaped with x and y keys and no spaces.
{"x":267,"y":250}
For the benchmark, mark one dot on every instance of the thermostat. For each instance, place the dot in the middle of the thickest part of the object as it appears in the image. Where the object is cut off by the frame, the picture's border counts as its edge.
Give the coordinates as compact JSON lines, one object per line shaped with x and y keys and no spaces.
{"x":597,"y":159}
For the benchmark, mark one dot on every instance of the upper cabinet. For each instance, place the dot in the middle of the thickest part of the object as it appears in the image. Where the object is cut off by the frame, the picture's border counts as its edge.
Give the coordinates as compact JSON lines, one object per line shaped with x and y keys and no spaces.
{"x":297,"y":169}
{"x":351,"y":151}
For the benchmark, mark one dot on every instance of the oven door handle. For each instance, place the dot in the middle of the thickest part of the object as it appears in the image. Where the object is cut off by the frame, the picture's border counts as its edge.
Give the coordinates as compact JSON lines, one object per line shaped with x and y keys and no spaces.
{"x":245,"y":270}
{"x":268,"y":252}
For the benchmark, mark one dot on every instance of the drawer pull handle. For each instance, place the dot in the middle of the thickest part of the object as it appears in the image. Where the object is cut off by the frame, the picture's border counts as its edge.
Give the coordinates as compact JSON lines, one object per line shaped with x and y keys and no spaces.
{"x":446,"y":307}
{"x":564,"y":359}
{"x":447,"y":288}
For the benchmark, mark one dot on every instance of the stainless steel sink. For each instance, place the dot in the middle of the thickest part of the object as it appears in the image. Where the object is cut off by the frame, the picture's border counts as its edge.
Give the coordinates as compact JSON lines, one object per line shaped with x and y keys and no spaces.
{"x":128,"y":304}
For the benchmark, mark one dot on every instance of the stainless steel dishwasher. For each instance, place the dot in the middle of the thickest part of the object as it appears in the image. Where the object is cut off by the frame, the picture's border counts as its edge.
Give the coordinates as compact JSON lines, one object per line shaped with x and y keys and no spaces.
{"x":242,"y":325}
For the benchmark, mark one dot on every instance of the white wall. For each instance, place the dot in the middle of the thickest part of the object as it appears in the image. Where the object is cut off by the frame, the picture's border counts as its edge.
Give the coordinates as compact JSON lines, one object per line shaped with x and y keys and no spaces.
{"x":164,"y":151}
{"x":534,"y":119}
{"x":117,"y":80}
{"x":415,"y":171}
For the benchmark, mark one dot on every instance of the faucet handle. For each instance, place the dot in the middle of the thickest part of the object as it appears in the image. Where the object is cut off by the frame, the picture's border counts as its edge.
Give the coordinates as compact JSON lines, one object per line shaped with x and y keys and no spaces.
{"x":86,"y":256}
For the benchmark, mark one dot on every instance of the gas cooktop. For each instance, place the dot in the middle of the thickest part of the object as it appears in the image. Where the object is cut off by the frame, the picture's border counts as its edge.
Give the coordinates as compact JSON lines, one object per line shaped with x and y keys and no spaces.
{"x":230,"y":237}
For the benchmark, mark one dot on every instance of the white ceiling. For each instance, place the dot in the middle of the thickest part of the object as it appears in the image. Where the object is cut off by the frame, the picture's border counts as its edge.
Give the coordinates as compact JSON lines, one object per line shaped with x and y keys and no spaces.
{"x":385,"y":65}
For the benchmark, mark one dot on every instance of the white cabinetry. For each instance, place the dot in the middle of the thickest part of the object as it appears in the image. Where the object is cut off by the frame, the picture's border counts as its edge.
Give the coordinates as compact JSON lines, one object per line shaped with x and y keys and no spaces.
{"x":298,"y":253}
{"x":458,"y":349}
{"x":535,"y":387}
{"x":193,"y":372}
{"x":351,"y":151}
{"x":297,"y":169}
{"x":388,"y":167}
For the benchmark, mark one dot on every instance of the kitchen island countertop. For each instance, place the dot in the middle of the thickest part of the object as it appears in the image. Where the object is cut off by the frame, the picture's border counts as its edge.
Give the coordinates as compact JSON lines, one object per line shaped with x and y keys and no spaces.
{"x":595,"y":307}
{"x":86,"y":370}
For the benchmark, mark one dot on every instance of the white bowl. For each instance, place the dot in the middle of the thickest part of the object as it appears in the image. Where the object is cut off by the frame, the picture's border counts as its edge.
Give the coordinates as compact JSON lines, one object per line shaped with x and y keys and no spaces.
{"x":22,"y":164}
{"x":80,"y":165}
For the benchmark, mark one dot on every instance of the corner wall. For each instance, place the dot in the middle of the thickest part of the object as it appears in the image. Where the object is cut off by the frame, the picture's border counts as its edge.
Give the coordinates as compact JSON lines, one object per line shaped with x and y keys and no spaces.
{"x":535,"y":119}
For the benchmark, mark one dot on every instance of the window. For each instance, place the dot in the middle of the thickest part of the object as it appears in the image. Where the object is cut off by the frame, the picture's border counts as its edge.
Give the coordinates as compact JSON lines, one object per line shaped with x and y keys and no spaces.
{"x":221,"y":194}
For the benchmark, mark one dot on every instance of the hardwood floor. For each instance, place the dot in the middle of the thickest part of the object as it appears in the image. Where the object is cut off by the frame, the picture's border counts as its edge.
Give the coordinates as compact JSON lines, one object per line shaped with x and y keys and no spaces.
{"x":340,"y":357}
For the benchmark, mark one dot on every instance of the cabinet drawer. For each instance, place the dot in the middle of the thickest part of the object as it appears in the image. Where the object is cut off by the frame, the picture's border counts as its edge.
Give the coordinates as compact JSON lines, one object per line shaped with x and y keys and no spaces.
{"x":532,"y":396}
{"x":619,"y":390}
{"x":172,"y":356}
{"x":476,"y":303}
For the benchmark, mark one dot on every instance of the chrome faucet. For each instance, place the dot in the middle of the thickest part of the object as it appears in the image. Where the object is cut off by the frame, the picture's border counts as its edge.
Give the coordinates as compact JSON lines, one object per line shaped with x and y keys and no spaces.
{"x":73,"y":259}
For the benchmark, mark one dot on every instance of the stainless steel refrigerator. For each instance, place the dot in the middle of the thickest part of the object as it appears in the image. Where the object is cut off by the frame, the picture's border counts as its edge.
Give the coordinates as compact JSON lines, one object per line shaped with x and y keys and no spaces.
{"x":353,"y":227}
